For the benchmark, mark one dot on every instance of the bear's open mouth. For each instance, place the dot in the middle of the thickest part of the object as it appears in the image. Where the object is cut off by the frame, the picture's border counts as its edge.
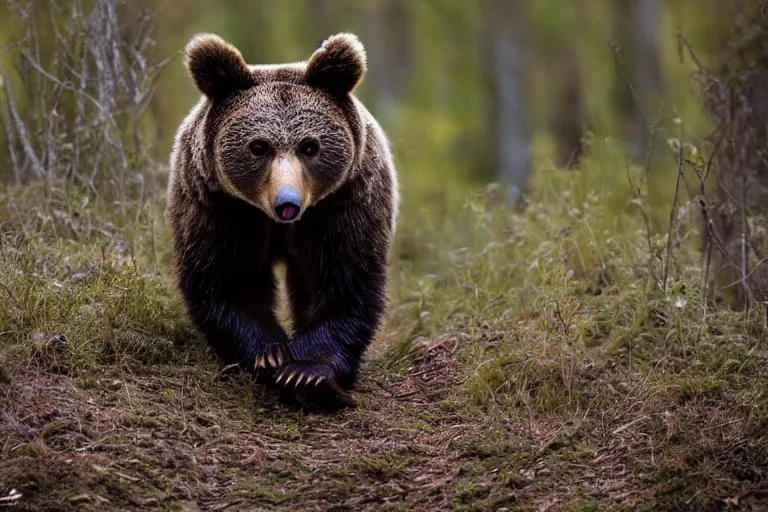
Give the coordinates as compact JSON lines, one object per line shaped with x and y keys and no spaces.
{"x":287,"y":212}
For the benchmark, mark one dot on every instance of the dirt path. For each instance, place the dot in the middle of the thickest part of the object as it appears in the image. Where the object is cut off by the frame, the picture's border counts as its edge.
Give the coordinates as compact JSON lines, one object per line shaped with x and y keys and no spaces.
{"x":189,"y":438}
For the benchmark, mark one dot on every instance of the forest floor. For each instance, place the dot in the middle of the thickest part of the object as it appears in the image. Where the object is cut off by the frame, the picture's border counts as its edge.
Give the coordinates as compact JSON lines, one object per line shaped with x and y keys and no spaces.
{"x":529,"y":361}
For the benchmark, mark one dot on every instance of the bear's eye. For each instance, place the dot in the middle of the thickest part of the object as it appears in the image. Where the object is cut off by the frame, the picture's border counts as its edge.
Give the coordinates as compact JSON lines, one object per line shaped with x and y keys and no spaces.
{"x":258,"y":148}
{"x":309,"y":148}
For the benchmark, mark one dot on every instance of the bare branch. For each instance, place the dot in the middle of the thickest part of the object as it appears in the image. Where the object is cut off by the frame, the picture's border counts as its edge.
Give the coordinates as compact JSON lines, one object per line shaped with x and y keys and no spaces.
{"x":84,"y":95}
{"x":20,"y":127}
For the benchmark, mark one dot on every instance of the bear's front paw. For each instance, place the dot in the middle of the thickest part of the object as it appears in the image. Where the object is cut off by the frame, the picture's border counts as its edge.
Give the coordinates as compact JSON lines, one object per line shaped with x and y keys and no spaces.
{"x":315,"y":385}
{"x":273,"y":357}
{"x":305,"y":373}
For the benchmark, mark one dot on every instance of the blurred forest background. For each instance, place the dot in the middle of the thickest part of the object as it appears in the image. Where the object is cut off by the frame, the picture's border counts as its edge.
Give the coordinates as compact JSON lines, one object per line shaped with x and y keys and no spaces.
{"x":468,"y":91}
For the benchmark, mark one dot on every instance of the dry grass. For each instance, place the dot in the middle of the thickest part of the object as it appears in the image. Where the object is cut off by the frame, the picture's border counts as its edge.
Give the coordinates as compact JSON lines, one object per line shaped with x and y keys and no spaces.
{"x":529,"y":362}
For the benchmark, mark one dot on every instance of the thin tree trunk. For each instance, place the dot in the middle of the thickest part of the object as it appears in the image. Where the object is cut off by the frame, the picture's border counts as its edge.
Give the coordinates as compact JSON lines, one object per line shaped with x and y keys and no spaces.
{"x":388,"y":43}
{"x":638,"y":73}
{"x":380,"y":61}
{"x":568,"y":116}
{"x":507,"y":112}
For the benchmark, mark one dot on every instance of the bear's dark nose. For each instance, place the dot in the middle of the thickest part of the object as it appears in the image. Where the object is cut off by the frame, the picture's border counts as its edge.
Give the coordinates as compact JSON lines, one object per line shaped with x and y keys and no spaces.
{"x":287,"y":203}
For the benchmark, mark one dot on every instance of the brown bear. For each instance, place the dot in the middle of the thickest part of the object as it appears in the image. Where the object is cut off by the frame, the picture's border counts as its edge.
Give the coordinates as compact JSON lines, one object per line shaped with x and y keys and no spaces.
{"x":282,"y":164}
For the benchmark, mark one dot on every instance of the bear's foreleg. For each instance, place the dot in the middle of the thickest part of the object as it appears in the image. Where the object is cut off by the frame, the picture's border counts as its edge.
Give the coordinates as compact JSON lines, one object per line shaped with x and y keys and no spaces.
{"x":235,"y":312}
{"x":346,"y":310}
{"x":331,"y":351}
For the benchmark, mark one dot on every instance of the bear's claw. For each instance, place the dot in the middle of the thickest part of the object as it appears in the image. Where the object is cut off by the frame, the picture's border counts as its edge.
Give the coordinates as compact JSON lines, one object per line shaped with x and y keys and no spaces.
{"x":314,"y":385}
{"x":273,"y":357}
{"x":304,"y":372}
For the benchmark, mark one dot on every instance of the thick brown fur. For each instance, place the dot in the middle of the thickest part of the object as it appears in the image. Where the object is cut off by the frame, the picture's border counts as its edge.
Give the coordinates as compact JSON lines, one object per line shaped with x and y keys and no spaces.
{"x":322,"y":143}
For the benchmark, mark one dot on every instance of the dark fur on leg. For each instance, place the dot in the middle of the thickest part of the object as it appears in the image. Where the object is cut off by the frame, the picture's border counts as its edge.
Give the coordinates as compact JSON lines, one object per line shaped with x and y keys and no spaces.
{"x":342,"y":296}
{"x":339,"y":344}
{"x":232,"y":303}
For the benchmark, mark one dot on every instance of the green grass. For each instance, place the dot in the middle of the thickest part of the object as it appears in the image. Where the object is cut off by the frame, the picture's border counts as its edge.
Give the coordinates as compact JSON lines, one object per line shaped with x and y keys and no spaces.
{"x":530,"y":360}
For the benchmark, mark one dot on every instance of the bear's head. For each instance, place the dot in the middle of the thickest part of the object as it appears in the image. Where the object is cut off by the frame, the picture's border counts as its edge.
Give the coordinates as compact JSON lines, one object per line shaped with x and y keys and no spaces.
{"x":281,"y":137}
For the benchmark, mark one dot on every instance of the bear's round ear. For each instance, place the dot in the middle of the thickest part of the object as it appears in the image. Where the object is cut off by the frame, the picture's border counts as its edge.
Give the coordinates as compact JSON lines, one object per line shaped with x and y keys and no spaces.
{"x":217,"y":67}
{"x":337,"y":66}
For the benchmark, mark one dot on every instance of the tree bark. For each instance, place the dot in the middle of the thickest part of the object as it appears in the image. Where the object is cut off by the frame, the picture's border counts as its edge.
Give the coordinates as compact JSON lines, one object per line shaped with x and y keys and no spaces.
{"x":388,"y":43}
{"x":568,"y":116}
{"x":737,"y":98}
{"x":638,"y":73}
{"x":507,"y":114}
